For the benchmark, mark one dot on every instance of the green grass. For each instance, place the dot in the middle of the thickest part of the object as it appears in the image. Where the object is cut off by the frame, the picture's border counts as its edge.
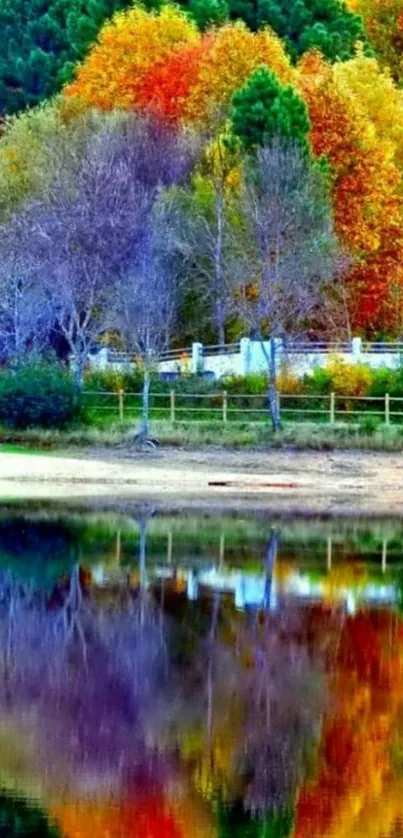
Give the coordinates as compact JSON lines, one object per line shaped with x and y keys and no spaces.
{"x":10,"y":448}
{"x":300,"y":436}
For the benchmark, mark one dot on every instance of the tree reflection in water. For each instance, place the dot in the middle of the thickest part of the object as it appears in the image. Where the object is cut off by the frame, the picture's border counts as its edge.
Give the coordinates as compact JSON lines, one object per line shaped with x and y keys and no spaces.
{"x":140,"y":710}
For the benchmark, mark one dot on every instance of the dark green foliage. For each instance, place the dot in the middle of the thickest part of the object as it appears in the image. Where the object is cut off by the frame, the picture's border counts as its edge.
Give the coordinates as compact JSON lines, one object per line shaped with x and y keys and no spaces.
{"x":264,"y":109}
{"x":40,"y":42}
{"x":326,"y":25}
{"x":18,"y":819}
{"x":208,"y":12}
{"x":37,"y":394}
{"x":234,"y":822}
{"x":35,"y":550}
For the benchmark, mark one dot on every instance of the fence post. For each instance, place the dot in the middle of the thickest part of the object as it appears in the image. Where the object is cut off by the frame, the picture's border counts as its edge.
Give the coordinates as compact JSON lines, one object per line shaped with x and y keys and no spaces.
{"x":387,"y":409}
{"x":244,"y":353}
{"x":121,"y":405}
{"x":197,"y":358}
{"x":332,"y":409}
{"x":172,"y":405}
{"x":225,"y":407}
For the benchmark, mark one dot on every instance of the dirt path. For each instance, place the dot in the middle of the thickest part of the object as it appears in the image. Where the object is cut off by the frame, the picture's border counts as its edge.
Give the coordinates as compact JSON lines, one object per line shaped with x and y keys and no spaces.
{"x":293,"y":482}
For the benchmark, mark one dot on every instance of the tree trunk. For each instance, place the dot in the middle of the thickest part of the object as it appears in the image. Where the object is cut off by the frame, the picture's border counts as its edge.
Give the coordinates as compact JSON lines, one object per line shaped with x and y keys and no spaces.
{"x":79,"y":374}
{"x":219,"y":278}
{"x":272,"y":392}
{"x":270,"y":558}
{"x":145,"y":408}
{"x":220,"y":324}
{"x":79,"y":365}
{"x":142,"y":554}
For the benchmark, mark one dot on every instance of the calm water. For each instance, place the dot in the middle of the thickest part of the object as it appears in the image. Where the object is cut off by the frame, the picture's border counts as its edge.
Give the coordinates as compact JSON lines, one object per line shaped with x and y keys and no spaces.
{"x":184,"y":678}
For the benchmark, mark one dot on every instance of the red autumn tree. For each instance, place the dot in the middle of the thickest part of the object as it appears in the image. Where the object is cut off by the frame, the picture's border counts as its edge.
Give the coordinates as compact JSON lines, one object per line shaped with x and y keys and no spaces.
{"x":366,"y":188}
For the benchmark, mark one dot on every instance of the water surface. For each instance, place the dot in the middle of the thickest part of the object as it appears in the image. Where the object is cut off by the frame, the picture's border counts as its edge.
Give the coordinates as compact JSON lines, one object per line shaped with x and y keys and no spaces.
{"x":173,"y":677}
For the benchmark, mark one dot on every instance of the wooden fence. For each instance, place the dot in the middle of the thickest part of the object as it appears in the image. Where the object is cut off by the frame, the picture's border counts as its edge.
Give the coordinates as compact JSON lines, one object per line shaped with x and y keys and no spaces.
{"x":223,"y":407}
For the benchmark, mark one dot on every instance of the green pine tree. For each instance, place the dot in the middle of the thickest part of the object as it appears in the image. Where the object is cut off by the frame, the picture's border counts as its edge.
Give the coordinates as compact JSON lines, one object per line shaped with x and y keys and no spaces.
{"x":264,"y":109}
{"x":327,"y":25}
{"x":40,"y":43}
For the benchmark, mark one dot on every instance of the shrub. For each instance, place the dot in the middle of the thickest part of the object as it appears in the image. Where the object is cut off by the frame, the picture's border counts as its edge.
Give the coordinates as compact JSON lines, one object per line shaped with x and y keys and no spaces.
{"x":349,"y":379}
{"x":249,"y":385}
{"x":318,"y":383}
{"x":369,"y":425}
{"x":38,"y":394}
{"x":111,"y":381}
{"x":288,"y":382}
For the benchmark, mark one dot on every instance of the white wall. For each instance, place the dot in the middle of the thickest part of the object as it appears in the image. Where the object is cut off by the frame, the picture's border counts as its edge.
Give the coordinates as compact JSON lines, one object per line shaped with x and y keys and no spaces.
{"x":250,"y":358}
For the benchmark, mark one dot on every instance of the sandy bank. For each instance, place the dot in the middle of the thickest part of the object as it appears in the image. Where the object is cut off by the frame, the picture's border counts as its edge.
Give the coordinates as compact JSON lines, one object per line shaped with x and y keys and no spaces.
{"x":294,"y":482}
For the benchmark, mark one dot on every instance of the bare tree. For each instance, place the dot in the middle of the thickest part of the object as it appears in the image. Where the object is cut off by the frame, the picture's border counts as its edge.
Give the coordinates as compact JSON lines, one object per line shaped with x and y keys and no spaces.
{"x":290,"y":252}
{"x":25,"y":315}
{"x":149,"y":293}
{"x":88,"y":227}
{"x":210,"y":235}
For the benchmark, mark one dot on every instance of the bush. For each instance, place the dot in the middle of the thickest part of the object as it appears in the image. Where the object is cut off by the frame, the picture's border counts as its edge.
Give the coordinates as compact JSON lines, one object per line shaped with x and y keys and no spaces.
{"x":349,"y":379}
{"x":369,"y":425}
{"x":111,"y":381}
{"x":38,"y":394}
{"x":318,"y":383}
{"x":246,"y":385}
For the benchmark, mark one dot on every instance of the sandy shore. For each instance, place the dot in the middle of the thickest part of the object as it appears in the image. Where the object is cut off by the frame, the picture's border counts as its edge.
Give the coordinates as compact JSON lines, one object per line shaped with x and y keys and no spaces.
{"x":325,"y":483}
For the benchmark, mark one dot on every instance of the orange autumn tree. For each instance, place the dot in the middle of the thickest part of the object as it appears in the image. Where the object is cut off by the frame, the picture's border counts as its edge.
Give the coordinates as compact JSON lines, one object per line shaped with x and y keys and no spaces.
{"x":165,"y":88}
{"x":159,"y":62}
{"x":197,"y":82}
{"x":365,"y":183}
{"x":379,"y":278}
{"x":127,"y":47}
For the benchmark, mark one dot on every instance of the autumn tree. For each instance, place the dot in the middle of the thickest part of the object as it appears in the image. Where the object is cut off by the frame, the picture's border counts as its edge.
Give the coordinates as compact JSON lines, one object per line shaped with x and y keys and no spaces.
{"x":127,"y":47}
{"x":383,"y":21}
{"x":365,"y":185}
{"x":184,"y":77}
{"x":364,"y":80}
{"x":32,"y":146}
{"x":264,"y":109}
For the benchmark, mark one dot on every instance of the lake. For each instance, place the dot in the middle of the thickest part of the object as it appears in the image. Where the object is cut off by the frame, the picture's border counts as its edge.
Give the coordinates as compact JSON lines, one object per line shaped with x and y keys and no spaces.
{"x":184,"y":677}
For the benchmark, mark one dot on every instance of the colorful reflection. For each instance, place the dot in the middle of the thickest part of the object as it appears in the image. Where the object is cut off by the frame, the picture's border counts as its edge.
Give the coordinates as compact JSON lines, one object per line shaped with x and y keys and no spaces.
{"x":165,"y":698}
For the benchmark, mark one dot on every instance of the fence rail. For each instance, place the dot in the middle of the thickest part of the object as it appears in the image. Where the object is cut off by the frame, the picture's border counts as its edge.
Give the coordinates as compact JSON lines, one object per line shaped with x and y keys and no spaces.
{"x":221,"y":349}
{"x":289,"y":347}
{"x":224,"y":407}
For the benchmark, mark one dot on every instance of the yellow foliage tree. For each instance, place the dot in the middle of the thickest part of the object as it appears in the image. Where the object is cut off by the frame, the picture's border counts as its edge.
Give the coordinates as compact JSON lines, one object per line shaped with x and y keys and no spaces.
{"x":383,"y":21}
{"x":127,"y":47}
{"x":373,"y":90}
{"x":233,"y":55}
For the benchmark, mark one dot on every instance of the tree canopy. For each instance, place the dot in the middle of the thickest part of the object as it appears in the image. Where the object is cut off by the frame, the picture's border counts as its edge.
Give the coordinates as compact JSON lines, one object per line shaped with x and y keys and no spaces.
{"x":264,"y":109}
{"x":40,"y":43}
